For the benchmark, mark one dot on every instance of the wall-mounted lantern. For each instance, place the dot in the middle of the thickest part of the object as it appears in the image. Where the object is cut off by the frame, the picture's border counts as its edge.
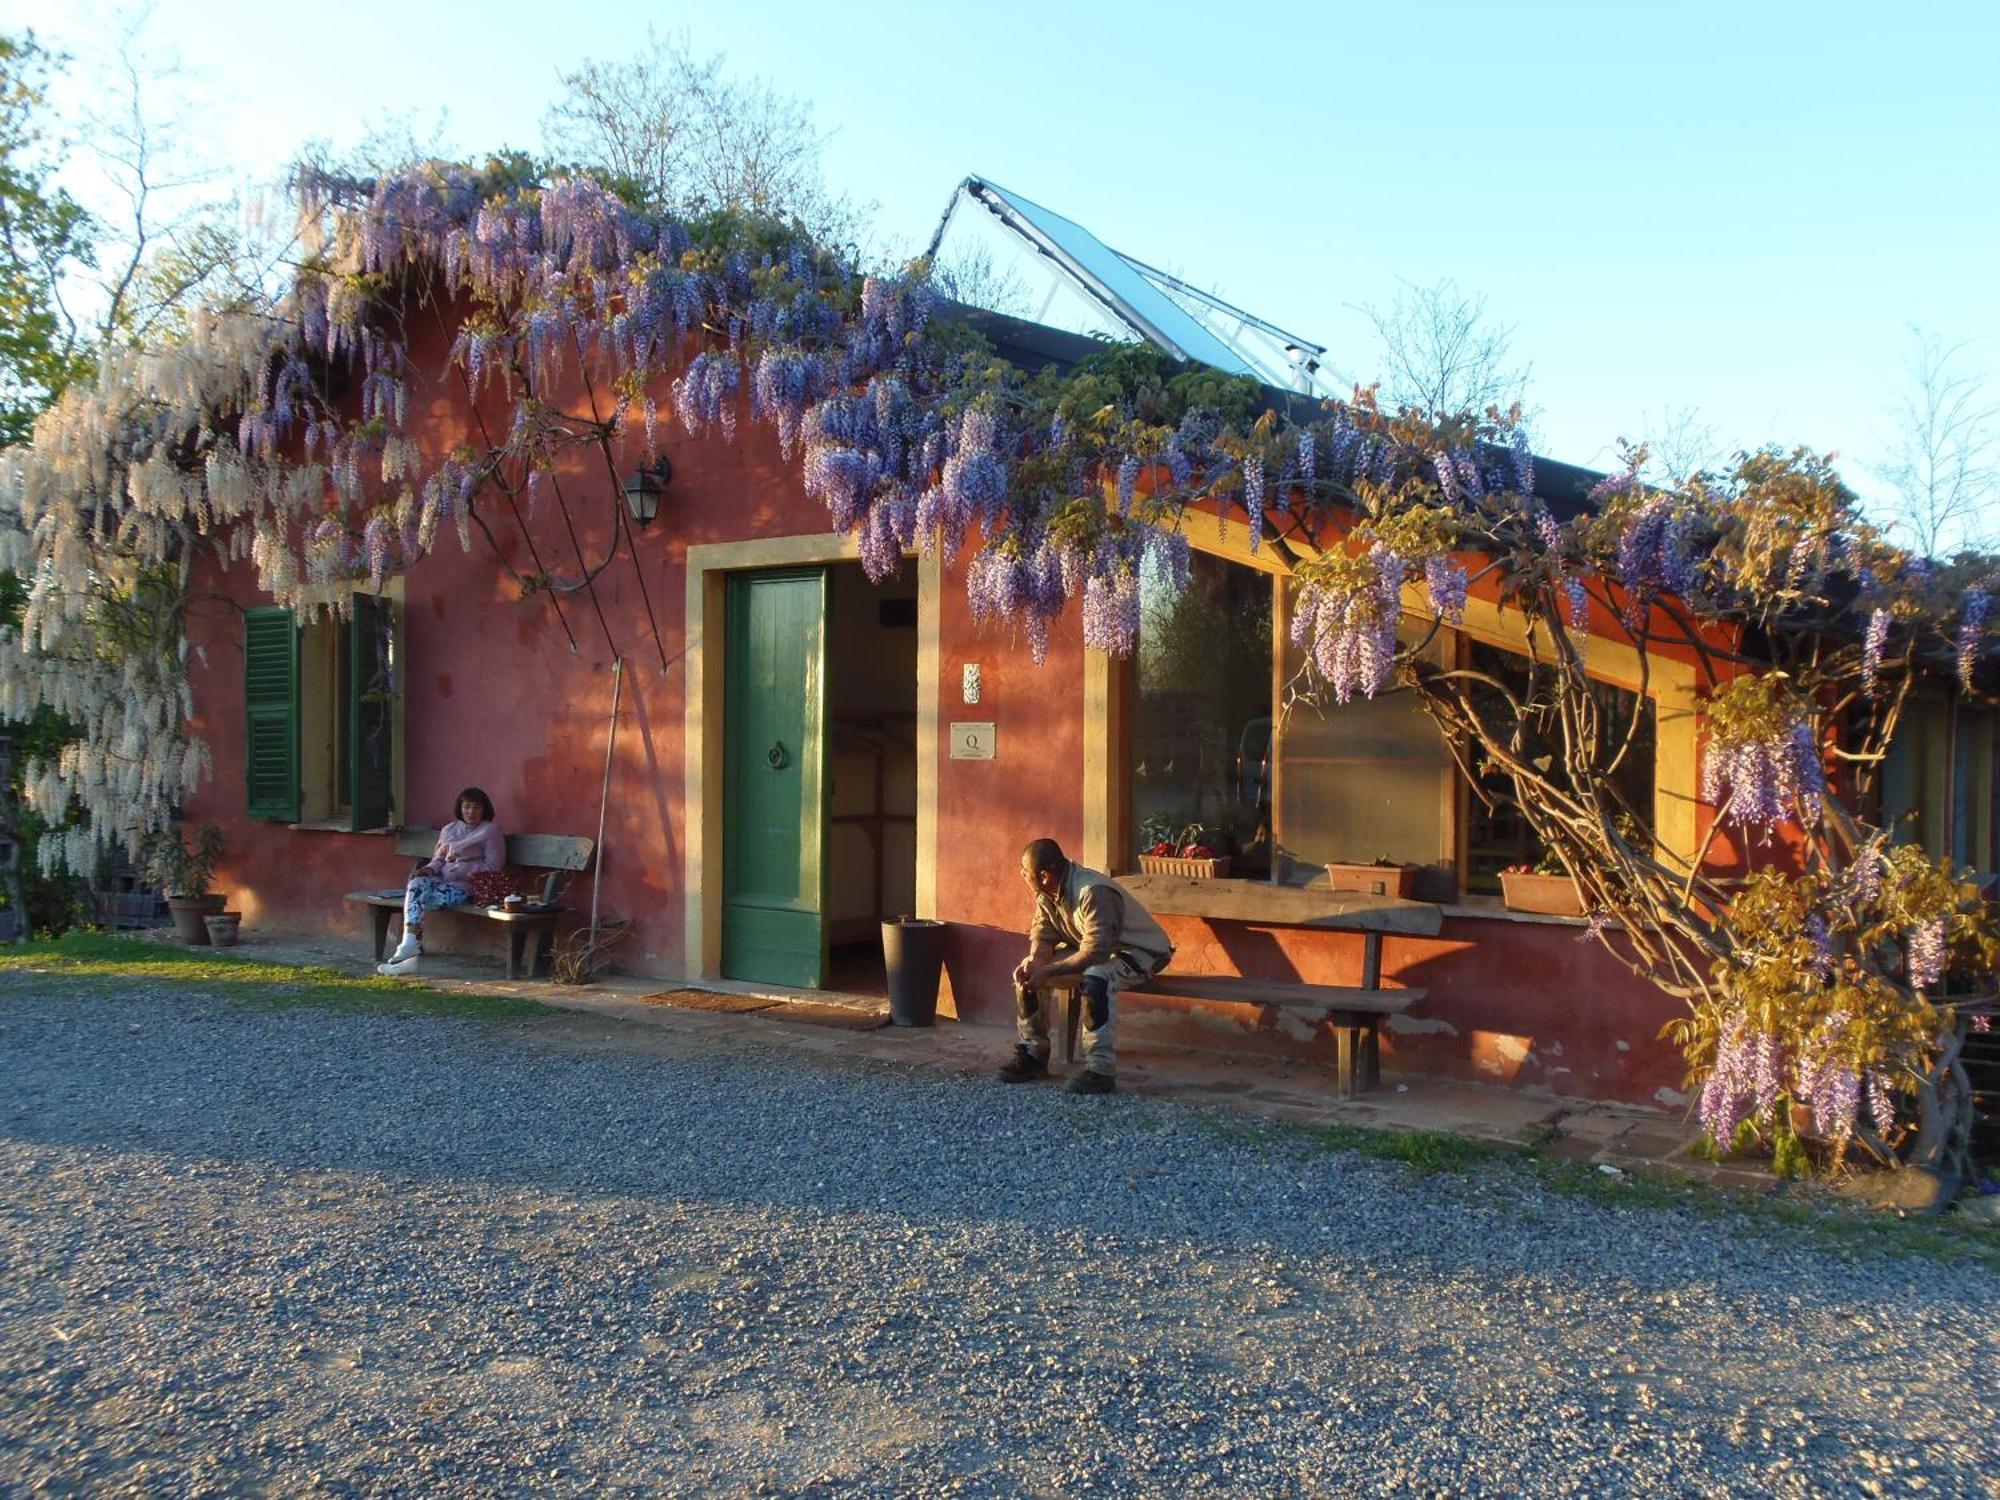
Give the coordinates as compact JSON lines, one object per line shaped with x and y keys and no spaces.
{"x":643,"y":489}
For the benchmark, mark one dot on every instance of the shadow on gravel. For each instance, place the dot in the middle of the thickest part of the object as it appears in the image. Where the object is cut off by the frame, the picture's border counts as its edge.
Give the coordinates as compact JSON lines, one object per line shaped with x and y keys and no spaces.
{"x":212,"y":1059}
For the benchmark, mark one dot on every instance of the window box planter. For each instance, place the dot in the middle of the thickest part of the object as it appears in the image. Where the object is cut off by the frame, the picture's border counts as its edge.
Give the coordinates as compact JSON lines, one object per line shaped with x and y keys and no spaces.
{"x":1373,"y":880}
{"x":1547,"y":895}
{"x":1196,"y":869}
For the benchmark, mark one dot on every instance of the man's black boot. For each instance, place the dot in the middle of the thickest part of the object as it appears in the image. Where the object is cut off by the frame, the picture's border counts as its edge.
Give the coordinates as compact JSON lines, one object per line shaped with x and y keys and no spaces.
{"x":1088,"y":1082}
{"x":1023,"y":1067}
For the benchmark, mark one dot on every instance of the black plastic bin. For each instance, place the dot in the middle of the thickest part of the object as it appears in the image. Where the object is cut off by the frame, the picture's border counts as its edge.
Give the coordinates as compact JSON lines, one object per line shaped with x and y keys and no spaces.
{"x":913,"y":955}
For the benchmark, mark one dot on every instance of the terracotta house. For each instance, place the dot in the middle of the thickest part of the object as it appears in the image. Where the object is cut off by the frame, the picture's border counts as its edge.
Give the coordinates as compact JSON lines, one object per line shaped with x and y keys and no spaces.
{"x":799,"y":754}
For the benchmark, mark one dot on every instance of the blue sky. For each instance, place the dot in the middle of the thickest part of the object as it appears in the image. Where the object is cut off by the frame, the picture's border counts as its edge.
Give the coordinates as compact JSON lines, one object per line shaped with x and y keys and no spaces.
{"x":1737,"y":208}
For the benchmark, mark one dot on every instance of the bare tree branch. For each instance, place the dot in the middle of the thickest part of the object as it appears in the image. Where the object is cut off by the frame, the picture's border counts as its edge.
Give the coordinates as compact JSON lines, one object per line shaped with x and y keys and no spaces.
{"x":683,"y":135}
{"x":1944,"y":465}
{"x":1442,"y":355}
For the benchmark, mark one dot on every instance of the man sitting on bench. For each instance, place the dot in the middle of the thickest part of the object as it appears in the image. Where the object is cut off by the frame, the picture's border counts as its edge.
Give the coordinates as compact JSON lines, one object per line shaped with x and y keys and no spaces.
{"x":1085,"y":925}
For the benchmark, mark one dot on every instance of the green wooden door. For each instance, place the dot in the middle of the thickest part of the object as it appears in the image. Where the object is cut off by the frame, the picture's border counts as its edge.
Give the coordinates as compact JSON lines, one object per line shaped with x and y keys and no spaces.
{"x":774,"y":781}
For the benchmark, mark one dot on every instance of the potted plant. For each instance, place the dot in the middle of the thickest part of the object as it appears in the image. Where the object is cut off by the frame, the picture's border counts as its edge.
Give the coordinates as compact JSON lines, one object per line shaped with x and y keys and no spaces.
{"x":183,"y":872}
{"x":1544,"y":887}
{"x":1188,"y":852}
{"x":1381,"y":877}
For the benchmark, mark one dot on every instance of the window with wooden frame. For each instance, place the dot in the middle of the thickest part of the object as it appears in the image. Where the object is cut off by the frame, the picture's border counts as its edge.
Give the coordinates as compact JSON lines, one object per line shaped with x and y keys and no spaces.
{"x":322,"y":715}
{"x":1936,"y":786}
{"x":1199,"y":734}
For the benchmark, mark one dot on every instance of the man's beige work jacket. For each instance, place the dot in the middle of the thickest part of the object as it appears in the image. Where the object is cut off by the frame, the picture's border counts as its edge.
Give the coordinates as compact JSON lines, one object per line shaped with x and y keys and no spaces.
{"x":1098,"y":917}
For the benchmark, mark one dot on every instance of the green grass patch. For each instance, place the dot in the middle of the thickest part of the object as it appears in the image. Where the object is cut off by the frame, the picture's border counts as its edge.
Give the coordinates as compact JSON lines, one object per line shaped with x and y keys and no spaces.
{"x":1427,"y":1151}
{"x":1808,"y":1210}
{"x":101,"y":962}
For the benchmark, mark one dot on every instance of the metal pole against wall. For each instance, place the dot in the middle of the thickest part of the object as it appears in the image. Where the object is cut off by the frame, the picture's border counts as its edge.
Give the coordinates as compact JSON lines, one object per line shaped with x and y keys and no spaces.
{"x":604,"y":797}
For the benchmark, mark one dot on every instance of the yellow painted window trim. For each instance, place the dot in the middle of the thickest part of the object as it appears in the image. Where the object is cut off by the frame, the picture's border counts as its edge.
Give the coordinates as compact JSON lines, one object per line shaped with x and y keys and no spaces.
{"x":1671,"y":685}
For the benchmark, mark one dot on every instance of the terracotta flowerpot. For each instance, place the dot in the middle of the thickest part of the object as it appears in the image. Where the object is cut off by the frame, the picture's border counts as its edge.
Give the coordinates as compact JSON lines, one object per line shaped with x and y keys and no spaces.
{"x":1373,"y":880}
{"x":189,"y":913}
{"x":1548,"y":895}
{"x":1173,"y":864}
{"x":222,"y":927}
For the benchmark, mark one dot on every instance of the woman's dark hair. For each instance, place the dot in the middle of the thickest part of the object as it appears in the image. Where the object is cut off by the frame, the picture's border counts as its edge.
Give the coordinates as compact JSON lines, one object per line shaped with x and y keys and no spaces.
{"x":473,"y":794}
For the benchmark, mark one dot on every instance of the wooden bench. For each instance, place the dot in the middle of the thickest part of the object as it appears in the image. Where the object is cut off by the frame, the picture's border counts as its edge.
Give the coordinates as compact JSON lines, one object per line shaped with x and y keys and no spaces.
{"x":555,"y":855}
{"x":1354,"y":1012}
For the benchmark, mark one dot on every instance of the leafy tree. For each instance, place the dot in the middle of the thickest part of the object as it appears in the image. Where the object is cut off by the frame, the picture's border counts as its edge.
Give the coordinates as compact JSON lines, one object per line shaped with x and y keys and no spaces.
{"x":44,"y":234}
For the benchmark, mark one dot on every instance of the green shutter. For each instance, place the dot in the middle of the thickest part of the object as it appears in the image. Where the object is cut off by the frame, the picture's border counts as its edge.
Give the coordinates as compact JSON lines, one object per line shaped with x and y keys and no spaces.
{"x":371,"y":717}
{"x":271,"y":712}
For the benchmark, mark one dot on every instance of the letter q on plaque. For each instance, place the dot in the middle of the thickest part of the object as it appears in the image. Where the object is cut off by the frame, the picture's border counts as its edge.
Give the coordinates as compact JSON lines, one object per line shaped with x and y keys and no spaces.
{"x":971,"y":741}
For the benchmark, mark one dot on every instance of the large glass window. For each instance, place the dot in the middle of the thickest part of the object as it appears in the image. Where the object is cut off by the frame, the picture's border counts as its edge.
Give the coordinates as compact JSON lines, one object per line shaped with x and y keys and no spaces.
{"x":1366,"y":780}
{"x":1201,"y":722}
{"x":1937,"y":782}
{"x":1287,"y":790}
{"x":1499,"y":836}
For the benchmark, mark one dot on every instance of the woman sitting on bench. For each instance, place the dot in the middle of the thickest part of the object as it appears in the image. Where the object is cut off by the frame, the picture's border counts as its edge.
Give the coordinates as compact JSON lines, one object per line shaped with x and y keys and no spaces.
{"x":469,"y":845}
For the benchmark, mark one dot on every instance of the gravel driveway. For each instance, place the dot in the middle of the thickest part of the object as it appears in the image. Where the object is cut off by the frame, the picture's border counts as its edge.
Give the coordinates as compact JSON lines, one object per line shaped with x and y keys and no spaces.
{"x":314,"y":1249}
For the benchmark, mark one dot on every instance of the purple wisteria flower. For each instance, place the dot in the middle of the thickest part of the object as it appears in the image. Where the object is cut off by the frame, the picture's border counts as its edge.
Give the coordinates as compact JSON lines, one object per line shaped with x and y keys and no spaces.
{"x":1445,"y":579}
{"x":1881,"y":1102}
{"x":375,"y":545}
{"x":1764,"y":1073}
{"x":1351,"y":639}
{"x":1578,"y":600}
{"x":1755,"y":783}
{"x":1524,"y":463}
{"x":1872,"y":642}
{"x":1971,"y":631}
{"x":1447,"y":475}
{"x":1550,"y":531}
{"x":1111,"y":612}
{"x":1830,"y":1088}
{"x":1729,"y":1089}
{"x":1128,"y":480}
{"x":1927,"y":953}
{"x":1655,"y":554}
{"x":1864,"y":876}
{"x":1821,"y":939}
{"x":1255,"y":496}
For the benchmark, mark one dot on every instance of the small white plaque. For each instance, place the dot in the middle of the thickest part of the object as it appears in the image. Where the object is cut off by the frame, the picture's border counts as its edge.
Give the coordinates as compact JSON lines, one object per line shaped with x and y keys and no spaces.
{"x":971,"y":741}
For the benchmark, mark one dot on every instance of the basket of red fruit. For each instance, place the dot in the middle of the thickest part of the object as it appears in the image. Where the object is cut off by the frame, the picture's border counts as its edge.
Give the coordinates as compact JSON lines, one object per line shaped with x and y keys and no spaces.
{"x":1187,"y":854}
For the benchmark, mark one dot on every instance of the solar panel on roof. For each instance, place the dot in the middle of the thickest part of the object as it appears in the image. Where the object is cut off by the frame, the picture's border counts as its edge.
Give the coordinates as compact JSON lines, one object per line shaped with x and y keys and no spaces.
{"x":1155,"y":306}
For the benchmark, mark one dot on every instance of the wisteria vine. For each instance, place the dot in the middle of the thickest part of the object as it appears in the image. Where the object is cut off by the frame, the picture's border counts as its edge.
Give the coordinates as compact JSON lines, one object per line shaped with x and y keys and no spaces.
{"x":283,"y":436}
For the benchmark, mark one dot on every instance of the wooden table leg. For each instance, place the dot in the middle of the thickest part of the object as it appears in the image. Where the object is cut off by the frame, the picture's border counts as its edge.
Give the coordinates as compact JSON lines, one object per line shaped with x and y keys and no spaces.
{"x":517,"y":938}
{"x":381,"y":915}
{"x":1343,"y":1064}
{"x":1072,"y":1018}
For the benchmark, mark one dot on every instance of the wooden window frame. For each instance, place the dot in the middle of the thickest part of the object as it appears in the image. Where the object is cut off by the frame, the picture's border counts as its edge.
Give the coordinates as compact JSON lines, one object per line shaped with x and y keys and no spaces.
{"x":1670,"y":684}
